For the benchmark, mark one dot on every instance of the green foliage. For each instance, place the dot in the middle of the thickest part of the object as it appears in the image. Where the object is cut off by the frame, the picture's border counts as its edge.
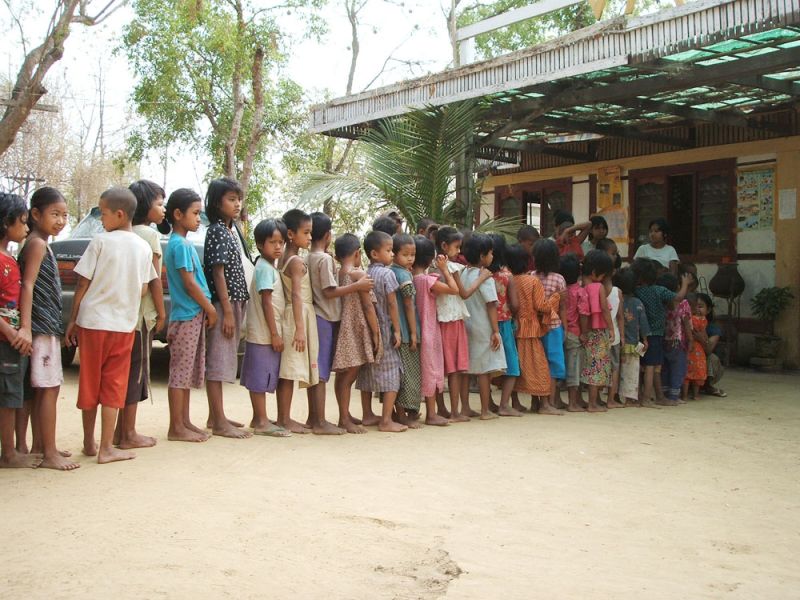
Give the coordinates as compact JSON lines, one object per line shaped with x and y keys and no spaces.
{"x":770,"y":302}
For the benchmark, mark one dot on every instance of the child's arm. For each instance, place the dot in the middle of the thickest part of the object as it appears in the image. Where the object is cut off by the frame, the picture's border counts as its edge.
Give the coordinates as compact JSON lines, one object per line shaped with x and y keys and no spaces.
{"x":687,"y":328}
{"x":411,"y":319}
{"x":365,"y":284}
{"x":228,"y":325}
{"x":449,"y":286}
{"x":369,"y":310}
{"x":491,"y":310}
{"x":157,"y":293}
{"x":620,"y":319}
{"x":562,"y":307}
{"x":583,"y":230}
{"x":195,"y":293}
{"x":606,"y":312}
{"x":584,"y":319}
{"x":35,"y":250}
{"x":466,"y":293}
{"x":269,"y":315}
{"x":686,"y":280}
{"x":296,"y":271}
{"x":71,"y":336}
{"x":394,"y":315}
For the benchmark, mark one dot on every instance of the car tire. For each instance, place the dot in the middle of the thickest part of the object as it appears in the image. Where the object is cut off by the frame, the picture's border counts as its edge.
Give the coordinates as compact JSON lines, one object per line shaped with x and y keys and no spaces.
{"x":67,"y":355}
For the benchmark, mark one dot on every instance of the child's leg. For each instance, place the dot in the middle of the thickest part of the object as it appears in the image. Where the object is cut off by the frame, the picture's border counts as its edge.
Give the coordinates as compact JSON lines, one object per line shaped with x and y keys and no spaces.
{"x":343,"y":385}
{"x":613,"y":389}
{"x":319,"y":425}
{"x":466,"y":410}
{"x":259,"y":403}
{"x":485,"y":390}
{"x":516,"y":404}
{"x":647,"y":394}
{"x":441,"y":409}
{"x":46,"y":399}
{"x":594,"y":395}
{"x":284,"y":394}
{"x":21,"y":418}
{"x":695,"y":390}
{"x":220,"y":425}
{"x":107,"y":452}
{"x":657,"y":383}
{"x":386,"y":423}
{"x":126,"y":435}
{"x":89,"y":416}
{"x":404,"y":417}
{"x":9,"y":457}
{"x":180,"y":426}
{"x":454,"y":385}
{"x":506,"y":391}
{"x":129,"y":437}
{"x":432,"y":417}
{"x":572,"y":394}
{"x":368,"y":417}
{"x":546,"y":407}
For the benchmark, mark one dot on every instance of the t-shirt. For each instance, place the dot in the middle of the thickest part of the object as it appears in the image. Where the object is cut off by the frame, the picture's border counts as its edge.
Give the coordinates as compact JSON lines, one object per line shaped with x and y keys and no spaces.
{"x":613,"y":304}
{"x":181,"y":254}
{"x":222,"y":247}
{"x":594,"y":292}
{"x":486,"y":292}
{"x":655,"y":299}
{"x":674,"y":327}
{"x":553,"y":283}
{"x":577,"y":305}
{"x":450,"y":307}
{"x":265,"y":277}
{"x":406,"y":290}
{"x":10,"y":288}
{"x":663,"y":255}
{"x":636,"y":324}
{"x":713,"y":329}
{"x":148,"y":310}
{"x":322,"y":271}
{"x":502,"y":279}
{"x":118,"y":263}
{"x":570,"y":246}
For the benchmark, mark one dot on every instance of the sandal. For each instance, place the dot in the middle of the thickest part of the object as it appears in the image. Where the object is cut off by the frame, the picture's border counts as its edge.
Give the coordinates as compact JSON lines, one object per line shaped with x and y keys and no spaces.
{"x":274,"y":431}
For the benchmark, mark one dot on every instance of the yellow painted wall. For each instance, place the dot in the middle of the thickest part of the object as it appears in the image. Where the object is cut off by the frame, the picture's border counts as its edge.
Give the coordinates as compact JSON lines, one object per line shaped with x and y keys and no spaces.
{"x":787,"y":258}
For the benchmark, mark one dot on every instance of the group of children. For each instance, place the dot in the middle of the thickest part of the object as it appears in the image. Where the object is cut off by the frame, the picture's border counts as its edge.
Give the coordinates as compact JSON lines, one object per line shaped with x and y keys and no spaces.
{"x":441,"y":306}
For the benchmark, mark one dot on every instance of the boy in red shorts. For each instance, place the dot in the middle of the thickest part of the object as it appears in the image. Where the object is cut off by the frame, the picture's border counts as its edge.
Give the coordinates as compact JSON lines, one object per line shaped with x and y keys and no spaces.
{"x":113,"y":274}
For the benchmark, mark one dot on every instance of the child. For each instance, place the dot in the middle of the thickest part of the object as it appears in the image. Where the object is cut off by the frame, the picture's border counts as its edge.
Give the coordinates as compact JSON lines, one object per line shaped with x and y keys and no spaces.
{"x":224,"y":271}
{"x":597,"y":232}
{"x":40,"y":302}
{"x":713,"y":334}
{"x":577,"y":305}
{"x":527,"y":302}
{"x":570,"y":236}
{"x":697,"y":370}
{"x":656,"y":299}
{"x":527,"y":236}
{"x":658,"y":249}
{"x":262,"y":352}
{"x":428,"y":287}
{"x":299,"y":361}
{"x":596,"y":328}
{"x":152,"y":315}
{"x":610,"y":247}
{"x":677,"y":333}
{"x":503,"y":283}
{"x":359,"y":342}
{"x":614,"y":298}
{"x":486,"y":355}
{"x":634,"y":336}
{"x":15,"y":343}
{"x":191,"y":312}
{"x":410,"y":396}
{"x":546,"y":257}
{"x":383,"y":376}
{"x":113,"y":274}
{"x":328,"y":308}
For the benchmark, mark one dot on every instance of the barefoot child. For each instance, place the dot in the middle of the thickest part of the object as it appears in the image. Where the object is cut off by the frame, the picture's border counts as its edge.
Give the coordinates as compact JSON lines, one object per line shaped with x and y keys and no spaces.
{"x":383,"y":376}
{"x":577,"y":305}
{"x":224,"y":271}
{"x":113,"y":274}
{"x":486,"y":355}
{"x":677,"y":333}
{"x":697,"y":371}
{"x":41,"y":307}
{"x":15,"y":343}
{"x":634,"y":337}
{"x":262,"y":353}
{"x":614,"y":299}
{"x":190,"y":314}
{"x":300,"y":349}
{"x":596,"y":328}
{"x":359,"y":341}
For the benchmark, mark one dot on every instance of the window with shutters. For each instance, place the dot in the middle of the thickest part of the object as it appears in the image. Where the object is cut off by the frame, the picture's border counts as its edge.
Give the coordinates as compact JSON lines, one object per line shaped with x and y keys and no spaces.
{"x":535,"y":203}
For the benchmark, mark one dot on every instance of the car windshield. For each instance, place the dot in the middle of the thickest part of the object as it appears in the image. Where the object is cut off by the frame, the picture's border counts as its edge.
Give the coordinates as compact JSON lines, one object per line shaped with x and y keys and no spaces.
{"x":91,"y":225}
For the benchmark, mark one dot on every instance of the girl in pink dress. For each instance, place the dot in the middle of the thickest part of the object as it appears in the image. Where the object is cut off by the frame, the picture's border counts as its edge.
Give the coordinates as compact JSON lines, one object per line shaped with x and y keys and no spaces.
{"x":431,"y":356}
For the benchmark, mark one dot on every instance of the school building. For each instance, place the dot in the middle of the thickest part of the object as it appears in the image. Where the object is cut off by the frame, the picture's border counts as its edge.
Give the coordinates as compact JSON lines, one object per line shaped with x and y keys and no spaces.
{"x":690,"y":113}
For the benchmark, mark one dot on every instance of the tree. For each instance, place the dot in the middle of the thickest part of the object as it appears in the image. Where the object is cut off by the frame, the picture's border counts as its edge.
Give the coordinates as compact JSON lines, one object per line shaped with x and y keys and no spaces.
{"x":29,"y":86}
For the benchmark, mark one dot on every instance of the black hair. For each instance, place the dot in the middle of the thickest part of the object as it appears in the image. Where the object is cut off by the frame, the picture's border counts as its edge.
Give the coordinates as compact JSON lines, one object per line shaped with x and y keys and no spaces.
{"x":599,"y":221}
{"x":146,"y":193}
{"x":294,"y":219}
{"x":423,"y":224}
{"x":320,"y":225}
{"x":709,"y":303}
{"x":385,"y":224}
{"x":668,"y":280}
{"x":181,"y":199}
{"x":605,"y":244}
{"x":426,"y":252}
{"x":625,"y":280}
{"x":12,"y":207}
{"x":570,"y":268}
{"x":41,"y":199}
{"x":517,"y":259}
{"x":447,"y":235}
{"x":545,"y":256}
{"x":217,"y":189}
{"x":645,"y":271}
{"x":345,"y":245}
{"x":120,"y":198}
{"x":662,"y":225}
{"x":374,"y":240}
{"x":499,"y":256}
{"x":476,"y":247}
{"x":562,"y":216}
{"x":267,"y":228}
{"x":401,"y":239}
{"x":527,"y":232}
{"x":597,"y":262}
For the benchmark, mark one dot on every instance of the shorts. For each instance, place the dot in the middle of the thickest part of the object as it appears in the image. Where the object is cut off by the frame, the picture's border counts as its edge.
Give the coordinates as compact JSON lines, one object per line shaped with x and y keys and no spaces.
{"x":614,"y":354}
{"x":629,"y":375}
{"x":327,"y":332}
{"x":139,"y":379}
{"x":105,"y":366}
{"x":45,"y":361}
{"x":260,"y":368}
{"x":510,"y":347}
{"x":12,"y":372}
{"x":455,"y":346}
{"x":655,"y":351}
{"x":187,"y":352}
{"x":553,"y":342}
{"x":573,"y":352}
{"x":222,"y":353}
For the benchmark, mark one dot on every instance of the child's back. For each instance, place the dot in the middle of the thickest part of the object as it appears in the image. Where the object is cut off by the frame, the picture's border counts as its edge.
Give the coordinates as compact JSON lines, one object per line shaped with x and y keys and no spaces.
{"x":655,"y":299}
{"x":534,"y":376}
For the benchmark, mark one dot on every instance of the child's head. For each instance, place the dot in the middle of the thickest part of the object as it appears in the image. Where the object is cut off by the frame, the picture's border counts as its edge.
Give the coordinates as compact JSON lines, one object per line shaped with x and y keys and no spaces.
{"x":298,"y":228}
{"x":270,"y":236}
{"x":385,"y":224}
{"x":478,"y":249}
{"x":706,"y":305}
{"x":183,"y":208}
{"x":625,"y":280}
{"x":223,"y":200}
{"x":597,"y":265}
{"x":378,"y":247}
{"x":545,"y":256}
{"x":48,"y":213}
{"x":599,"y":229}
{"x":347,"y":247}
{"x":658,"y":230}
{"x":669,"y":281}
{"x":499,"y":252}
{"x":689,"y":268}
{"x":149,"y":202}
{"x":404,"y":250}
{"x":570,"y":268}
{"x":645,"y":271}
{"x":396,"y":217}
{"x":610,"y":247}
{"x":527,"y":236}
{"x":117,"y":207}
{"x":321,"y":226}
{"x":423,"y":225}
{"x":517,"y":259}
{"x":13,"y":217}
{"x":448,"y":241}
{"x":425,"y":252}
{"x":563,"y":220}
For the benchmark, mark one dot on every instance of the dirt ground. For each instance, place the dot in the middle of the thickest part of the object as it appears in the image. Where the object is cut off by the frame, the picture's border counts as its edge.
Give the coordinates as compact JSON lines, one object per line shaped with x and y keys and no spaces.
{"x":698,"y":501}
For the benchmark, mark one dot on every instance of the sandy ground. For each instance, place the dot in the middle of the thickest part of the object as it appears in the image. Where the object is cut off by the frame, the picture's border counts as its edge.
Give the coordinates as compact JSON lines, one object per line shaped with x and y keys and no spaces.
{"x":699,"y":501}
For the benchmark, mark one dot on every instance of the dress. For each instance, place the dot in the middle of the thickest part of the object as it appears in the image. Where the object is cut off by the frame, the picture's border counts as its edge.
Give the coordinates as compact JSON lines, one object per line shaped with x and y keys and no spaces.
{"x":534,"y":376}
{"x":354,"y":344}
{"x":597,"y":347}
{"x":430,"y":352}
{"x":297,"y":366}
{"x":502,"y":281}
{"x":697,"y":371}
{"x":409,"y":396}
{"x":482,"y":359}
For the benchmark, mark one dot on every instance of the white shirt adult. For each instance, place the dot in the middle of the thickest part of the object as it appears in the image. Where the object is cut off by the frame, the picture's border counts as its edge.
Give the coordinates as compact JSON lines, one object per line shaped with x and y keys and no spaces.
{"x":665,"y":255}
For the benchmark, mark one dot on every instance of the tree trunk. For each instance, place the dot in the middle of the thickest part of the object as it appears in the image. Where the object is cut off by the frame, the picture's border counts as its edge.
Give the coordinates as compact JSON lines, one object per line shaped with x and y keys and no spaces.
{"x":256,"y":130}
{"x":229,"y":163}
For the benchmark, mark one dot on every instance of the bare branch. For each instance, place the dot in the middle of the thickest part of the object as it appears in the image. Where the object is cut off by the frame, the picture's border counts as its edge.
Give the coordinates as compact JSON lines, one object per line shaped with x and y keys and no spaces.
{"x":19,"y":26}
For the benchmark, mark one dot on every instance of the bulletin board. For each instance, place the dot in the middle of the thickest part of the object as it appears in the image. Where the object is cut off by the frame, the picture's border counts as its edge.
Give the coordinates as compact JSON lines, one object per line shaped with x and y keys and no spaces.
{"x":755,"y":198}
{"x":609,"y":188}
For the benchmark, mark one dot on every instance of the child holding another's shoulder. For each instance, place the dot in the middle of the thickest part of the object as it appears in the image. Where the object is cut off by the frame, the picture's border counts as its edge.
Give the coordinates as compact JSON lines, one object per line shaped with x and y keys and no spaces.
{"x":634,"y":342}
{"x":577,"y":305}
{"x":677,"y":333}
{"x":596,"y":328}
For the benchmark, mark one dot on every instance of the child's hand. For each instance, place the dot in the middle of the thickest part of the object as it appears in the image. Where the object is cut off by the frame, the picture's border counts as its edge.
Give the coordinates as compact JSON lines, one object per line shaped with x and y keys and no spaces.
{"x":299,"y":342}
{"x":211,"y":317}
{"x":71,"y":335}
{"x":583,"y":338}
{"x":485,"y":274}
{"x":441,"y":262}
{"x":365,"y":284}
{"x":397,"y":340}
{"x":277,"y":343}
{"x":686,"y":280}
{"x":161,"y":320}
{"x":495,"y":342}
{"x":376,"y":342}
{"x":413,"y":342}
{"x":228,"y":324}
{"x":22,"y":341}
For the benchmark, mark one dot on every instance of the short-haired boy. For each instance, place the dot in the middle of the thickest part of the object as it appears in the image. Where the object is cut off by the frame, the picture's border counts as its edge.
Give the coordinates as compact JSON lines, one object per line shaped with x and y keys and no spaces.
{"x":113,"y":274}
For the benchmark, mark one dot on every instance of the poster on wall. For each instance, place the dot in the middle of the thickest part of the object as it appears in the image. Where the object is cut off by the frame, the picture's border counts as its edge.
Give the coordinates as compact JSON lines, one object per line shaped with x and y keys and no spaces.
{"x":609,"y":188}
{"x":617,"y":220}
{"x":755,"y":199}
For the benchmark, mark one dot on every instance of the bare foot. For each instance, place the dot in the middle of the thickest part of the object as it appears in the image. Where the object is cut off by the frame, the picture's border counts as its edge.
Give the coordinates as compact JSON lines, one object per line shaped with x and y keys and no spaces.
{"x":293,"y":426}
{"x":436,"y":420}
{"x":90,"y":449}
{"x":137,"y":441}
{"x":666,"y":402}
{"x":575,"y":408}
{"x":509,"y":412}
{"x":467,"y":411}
{"x":65,"y":453}
{"x":614,"y":404}
{"x":229,"y":431}
{"x":22,"y":447}
{"x":187,"y":435}
{"x":192,"y":427}
{"x":113,"y":455}
{"x":519,"y":407}
{"x":648,"y":404}
{"x":20,"y":461}
{"x":354,"y":420}
{"x":326,"y":428}
{"x":443,"y":412}
{"x":231,"y":422}
{"x":633,"y":404}
{"x":352,"y":427}
{"x":392,"y":427}
{"x":370,"y":420}
{"x":596,"y":409}
{"x":459,"y":418}
{"x":59,"y":463}
{"x":546,"y":409}
{"x":488,"y":416}
{"x":494,"y":407}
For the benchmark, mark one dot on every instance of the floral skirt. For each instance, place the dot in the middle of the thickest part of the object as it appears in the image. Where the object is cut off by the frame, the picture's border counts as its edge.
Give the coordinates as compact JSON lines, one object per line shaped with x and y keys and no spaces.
{"x":597,"y":358}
